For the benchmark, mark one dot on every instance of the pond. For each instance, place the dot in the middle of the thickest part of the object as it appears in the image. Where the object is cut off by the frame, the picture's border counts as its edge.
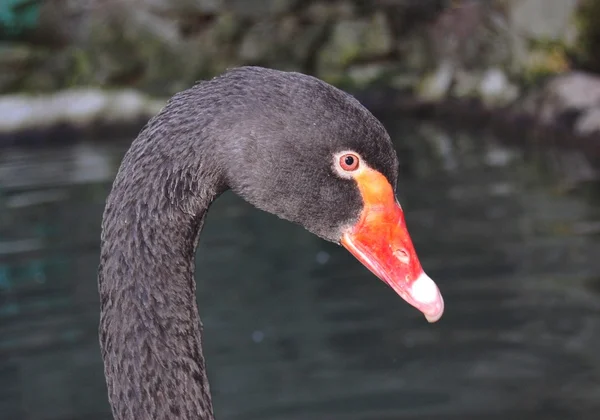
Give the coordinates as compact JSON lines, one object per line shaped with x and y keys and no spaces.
{"x":295,"y":328}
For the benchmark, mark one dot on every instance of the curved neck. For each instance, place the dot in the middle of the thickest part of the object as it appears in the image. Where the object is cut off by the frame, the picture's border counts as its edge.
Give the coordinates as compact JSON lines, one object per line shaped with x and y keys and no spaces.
{"x":150,"y":331}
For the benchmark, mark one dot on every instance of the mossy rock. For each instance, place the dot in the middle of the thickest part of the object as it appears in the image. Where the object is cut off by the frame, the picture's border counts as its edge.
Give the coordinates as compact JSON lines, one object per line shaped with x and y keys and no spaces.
{"x":161,"y":62}
{"x":436,"y":85}
{"x":544,"y":62}
{"x":352,"y":41}
{"x":283,"y":43}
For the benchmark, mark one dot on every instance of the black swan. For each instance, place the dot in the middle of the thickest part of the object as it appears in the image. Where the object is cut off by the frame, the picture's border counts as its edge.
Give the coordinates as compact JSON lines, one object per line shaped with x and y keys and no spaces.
{"x":289,"y":144}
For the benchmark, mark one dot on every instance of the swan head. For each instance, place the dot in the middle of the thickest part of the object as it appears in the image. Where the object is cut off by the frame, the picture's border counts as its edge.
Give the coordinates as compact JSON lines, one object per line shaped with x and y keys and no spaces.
{"x":312,"y":154}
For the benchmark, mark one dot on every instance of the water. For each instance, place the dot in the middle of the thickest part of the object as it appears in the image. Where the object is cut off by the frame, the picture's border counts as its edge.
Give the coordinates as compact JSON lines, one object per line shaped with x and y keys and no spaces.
{"x":295,"y":328}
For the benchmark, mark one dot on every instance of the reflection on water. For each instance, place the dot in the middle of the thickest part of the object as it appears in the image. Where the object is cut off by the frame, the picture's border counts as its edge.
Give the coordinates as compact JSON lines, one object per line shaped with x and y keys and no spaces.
{"x":295,"y":328}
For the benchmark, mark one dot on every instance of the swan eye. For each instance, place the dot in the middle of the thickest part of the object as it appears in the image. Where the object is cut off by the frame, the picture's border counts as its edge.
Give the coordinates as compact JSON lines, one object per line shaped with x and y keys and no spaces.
{"x":349,"y":162}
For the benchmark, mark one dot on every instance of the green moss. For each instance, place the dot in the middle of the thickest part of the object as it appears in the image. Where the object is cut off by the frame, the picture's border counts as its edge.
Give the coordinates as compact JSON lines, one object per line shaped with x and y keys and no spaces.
{"x":349,"y":54}
{"x":342,"y":81}
{"x":545,"y":59}
{"x":81,"y":71}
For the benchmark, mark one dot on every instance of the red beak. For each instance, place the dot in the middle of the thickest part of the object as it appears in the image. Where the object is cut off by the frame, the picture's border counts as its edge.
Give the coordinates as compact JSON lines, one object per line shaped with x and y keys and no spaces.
{"x":381,"y":242}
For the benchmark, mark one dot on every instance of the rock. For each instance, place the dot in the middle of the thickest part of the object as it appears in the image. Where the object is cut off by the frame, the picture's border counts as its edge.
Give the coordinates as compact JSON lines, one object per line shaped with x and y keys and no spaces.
{"x":404,"y":81}
{"x":543,"y":63}
{"x":466,"y":84}
{"x":354,"y":40}
{"x":128,"y":105}
{"x":378,"y":38}
{"x":15,"y":60}
{"x":203,"y":6}
{"x":538,"y":19}
{"x":258,"y":41}
{"x":576,"y":91}
{"x":589,"y":122}
{"x":149,"y":52}
{"x":75,"y":108}
{"x":344,"y":45}
{"x":160,"y":46}
{"x":268,"y":43}
{"x":326,"y":11}
{"x":472,"y":34}
{"x":170,"y":7}
{"x":528,"y":106}
{"x":364,"y":75}
{"x":260,"y":8}
{"x":61,"y":22}
{"x":496,"y":89}
{"x":494,"y":81}
{"x":216,"y":48}
{"x":22,"y":112}
{"x":435,"y":86}
{"x":542,"y":19}
{"x":414,"y":52}
{"x":51,"y":71}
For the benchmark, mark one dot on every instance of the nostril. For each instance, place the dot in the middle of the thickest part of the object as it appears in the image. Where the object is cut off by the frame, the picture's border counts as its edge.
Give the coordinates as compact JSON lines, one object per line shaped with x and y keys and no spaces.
{"x":402,"y":255}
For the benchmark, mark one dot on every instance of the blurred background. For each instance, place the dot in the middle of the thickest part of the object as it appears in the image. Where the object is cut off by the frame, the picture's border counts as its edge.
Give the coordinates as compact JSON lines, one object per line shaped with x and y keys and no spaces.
{"x":494,"y":108}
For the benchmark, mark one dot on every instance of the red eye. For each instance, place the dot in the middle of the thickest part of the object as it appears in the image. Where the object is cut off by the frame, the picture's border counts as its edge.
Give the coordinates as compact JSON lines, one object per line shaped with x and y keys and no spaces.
{"x":349,"y":162}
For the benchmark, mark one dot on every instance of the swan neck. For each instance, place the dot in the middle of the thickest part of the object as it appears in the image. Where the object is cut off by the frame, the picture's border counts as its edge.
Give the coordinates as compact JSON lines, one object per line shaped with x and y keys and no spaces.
{"x":150,"y":329}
